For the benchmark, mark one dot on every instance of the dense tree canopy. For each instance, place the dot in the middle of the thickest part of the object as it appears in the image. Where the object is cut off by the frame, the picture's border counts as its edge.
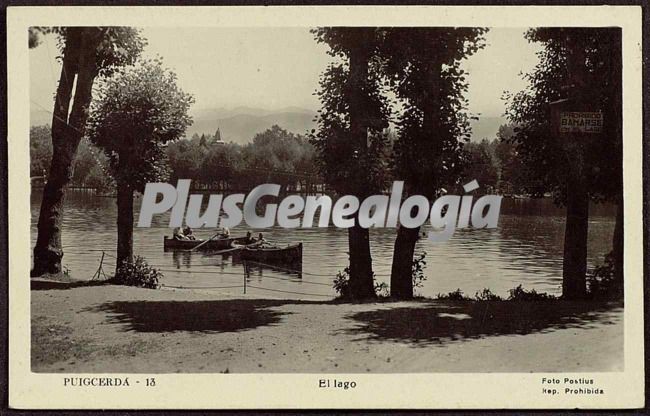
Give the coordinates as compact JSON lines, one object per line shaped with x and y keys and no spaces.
{"x":137,"y":112}
{"x":481,"y":165}
{"x":87,"y":52}
{"x":529,"y":110}
{"x":274,"y":156}
{"x":583,"y":66}
{"x":115,"y":46}
{"x":347,"y":165}
{"x":423,"y":65}
{"x":350,"y":139}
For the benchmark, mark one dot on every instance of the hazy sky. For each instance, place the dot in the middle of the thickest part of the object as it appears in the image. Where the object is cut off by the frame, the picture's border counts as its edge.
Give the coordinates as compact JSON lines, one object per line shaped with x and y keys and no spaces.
{"x":273,"y":68}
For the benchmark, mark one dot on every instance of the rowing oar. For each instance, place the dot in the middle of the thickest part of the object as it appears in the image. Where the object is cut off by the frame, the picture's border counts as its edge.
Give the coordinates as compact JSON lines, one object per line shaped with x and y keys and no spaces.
{"x":206,"y":241}
{"x":226,"y":251}
{"x":235,"y":248}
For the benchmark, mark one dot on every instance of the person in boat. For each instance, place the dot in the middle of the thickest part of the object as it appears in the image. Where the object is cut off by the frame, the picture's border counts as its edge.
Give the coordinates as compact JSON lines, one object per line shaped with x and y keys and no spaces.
{"x":178,"y":234}
{"x":261,"y":241}
{"x":225,"y":232}
{"x":188,"y":233}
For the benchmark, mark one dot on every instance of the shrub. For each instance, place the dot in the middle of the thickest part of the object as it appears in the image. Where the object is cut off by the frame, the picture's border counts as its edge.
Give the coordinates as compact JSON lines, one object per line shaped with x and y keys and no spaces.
{"x":456,"y":295}
{"x":486,"y":294}
{"x":516,"y":294}
{"x":66,"y":272}
{"x":521,"y":294}
{"x":381,"y":289}
{"x":342,"y":285}
{"x":601,"y":283}
{"x":139,"y":274}
{"x":417,"y":270}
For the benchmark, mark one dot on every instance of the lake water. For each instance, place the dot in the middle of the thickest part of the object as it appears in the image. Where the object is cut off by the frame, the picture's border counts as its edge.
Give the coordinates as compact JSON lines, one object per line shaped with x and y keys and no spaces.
{"x":525,"y":249}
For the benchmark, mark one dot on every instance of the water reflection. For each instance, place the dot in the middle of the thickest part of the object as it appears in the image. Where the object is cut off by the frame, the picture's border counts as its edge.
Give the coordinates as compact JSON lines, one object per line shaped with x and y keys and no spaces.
{"x":182,"y":259}
{"x":526,"y":249}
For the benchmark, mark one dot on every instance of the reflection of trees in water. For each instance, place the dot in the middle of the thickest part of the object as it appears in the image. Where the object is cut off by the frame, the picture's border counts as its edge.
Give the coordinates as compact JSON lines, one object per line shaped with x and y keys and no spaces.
{"x":288,"y":271}
{"x":183,"y":258}
{"x":527,"y":244}
{"x":542,"y":237}
{"x":545,"y":235}
{"x":544,"y":207}
{"x":80,"y":199}
{"x":532,"y":243}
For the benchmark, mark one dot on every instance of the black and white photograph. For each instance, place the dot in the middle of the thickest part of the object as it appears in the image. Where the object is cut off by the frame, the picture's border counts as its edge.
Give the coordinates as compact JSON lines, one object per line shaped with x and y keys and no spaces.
{"x":335,"y":200}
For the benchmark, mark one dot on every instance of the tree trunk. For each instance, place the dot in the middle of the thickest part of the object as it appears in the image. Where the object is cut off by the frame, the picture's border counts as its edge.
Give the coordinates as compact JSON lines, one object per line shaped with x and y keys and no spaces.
{"x":574,"y":270}
{"x":124,"y":225}
{"x":79,"y":58}
{"x":401,"y":279}
{"x":361,"y":275}
{"x":575,"y":235}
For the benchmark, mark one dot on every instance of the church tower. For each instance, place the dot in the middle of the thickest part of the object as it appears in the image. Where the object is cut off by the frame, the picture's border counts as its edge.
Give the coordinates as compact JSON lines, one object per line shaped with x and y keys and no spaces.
{"x":217,"y":137}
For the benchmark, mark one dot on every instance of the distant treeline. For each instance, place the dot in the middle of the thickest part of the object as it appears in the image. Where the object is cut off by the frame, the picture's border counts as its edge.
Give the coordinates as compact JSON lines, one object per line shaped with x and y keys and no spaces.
{"x":274,"y":156}
{"x":88,"y":165}
{"x":497,"y":166}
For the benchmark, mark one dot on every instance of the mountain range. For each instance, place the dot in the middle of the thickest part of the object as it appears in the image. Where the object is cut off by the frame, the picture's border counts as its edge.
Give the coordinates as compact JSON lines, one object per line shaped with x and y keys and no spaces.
{"x":240,"y":124}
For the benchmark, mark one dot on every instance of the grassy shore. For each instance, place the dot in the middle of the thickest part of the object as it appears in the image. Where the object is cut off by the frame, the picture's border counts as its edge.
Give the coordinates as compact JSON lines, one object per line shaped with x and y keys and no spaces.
{"x":77,"y":327}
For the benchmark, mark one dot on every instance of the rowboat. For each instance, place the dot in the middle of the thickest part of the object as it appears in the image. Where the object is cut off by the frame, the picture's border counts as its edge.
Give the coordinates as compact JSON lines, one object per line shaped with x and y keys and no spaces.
{"x":291,"y":254}
{"x":170,"y":243}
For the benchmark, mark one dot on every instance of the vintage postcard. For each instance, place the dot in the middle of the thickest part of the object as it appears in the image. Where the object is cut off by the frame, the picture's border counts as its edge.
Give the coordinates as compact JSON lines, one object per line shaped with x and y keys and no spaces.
{"x":325,"y":207}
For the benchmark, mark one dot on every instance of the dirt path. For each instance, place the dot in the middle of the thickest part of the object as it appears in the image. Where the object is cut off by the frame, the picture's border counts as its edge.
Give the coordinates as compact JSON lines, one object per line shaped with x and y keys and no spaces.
{"x":122,"y":330}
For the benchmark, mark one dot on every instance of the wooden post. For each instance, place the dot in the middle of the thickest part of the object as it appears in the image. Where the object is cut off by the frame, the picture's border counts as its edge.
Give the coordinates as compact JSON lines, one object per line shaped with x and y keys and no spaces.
{"x":245,"y":276}
{"x":99,"y":271}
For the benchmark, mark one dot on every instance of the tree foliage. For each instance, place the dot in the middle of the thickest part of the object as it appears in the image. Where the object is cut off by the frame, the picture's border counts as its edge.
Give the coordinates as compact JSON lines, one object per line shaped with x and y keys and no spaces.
{"x":481,"y":165}
{"x":89,"y":167}
{"x":137,"y":112}
{"x":274,"y":156}
{"x":543,"y":153}
{"x":87,"y":52}
{"x":115,"y":46}
{"x":347,"y":165}
{"x":350,"y":139}
{"x":275,"y":151}
{"x":423,"y":67}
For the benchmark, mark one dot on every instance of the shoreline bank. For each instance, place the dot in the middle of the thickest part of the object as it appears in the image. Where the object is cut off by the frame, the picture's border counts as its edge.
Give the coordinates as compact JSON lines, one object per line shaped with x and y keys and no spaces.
{"x":78,"y":327}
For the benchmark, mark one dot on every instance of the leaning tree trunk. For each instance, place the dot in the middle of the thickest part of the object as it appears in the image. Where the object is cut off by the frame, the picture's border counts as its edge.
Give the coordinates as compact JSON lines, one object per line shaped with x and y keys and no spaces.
{"x":361,"y":275}
{"x":124,"y":225}
{"x":79,"y":59}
